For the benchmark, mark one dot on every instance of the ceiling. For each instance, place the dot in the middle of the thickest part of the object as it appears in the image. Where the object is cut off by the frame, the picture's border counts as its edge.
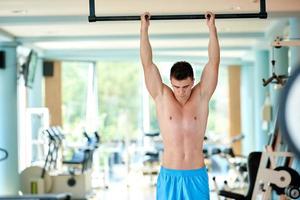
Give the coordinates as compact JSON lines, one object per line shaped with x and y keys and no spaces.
{"x":60,"y":28}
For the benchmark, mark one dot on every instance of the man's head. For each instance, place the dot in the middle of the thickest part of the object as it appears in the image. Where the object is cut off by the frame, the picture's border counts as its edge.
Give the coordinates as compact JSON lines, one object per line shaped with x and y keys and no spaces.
{"x":181,"y":70}
{"x":182,"y":80}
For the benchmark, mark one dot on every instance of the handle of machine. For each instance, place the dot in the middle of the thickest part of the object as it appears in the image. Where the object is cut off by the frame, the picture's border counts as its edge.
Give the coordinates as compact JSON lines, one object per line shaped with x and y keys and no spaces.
{"x":5,"y":154}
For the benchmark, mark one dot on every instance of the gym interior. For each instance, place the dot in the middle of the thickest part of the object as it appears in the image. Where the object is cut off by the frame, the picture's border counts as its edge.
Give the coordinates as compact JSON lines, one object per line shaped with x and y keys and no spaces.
{"x":76,"y":120}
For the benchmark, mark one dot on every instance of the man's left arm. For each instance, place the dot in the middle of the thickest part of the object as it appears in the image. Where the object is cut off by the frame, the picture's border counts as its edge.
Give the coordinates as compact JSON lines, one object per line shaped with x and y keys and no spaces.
{"x":209,"y":77}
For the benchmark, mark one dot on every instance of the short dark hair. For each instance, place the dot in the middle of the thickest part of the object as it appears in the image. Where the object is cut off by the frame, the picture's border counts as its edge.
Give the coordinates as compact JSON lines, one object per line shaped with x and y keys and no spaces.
{"x":181,"y":70}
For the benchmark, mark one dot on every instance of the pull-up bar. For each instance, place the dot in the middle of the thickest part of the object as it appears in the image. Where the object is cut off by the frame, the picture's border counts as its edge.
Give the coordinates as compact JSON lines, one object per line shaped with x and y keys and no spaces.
{"x":262,"y":15}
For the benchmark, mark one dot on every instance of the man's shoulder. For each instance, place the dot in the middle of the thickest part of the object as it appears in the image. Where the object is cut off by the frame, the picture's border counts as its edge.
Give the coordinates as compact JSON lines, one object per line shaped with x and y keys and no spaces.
{"x":166,"y":93}
{"x":166,"y":88}
{"x":198,"y":94}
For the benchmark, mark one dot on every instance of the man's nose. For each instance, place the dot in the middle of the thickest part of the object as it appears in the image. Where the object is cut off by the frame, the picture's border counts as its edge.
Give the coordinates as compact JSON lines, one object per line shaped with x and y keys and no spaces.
{"x":181,"y":91}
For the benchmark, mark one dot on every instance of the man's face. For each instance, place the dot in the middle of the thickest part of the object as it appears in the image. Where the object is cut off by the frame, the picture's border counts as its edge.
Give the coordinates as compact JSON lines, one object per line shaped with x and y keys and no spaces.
{"x":183,"y":88}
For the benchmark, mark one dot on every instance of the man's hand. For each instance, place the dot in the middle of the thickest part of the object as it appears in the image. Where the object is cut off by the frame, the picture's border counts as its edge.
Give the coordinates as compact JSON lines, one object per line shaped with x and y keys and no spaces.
{"x":210,"y":19}
{"x":145,"y":20}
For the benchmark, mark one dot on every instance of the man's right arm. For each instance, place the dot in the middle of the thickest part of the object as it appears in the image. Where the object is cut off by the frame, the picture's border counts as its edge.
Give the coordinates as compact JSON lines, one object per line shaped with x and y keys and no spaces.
{"x":152,"y":77}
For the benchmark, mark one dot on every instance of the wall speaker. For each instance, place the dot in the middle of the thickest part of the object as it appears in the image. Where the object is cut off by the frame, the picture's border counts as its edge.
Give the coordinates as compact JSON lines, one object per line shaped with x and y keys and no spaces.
{"x":48,"y":68}
{"x":2,"y":59}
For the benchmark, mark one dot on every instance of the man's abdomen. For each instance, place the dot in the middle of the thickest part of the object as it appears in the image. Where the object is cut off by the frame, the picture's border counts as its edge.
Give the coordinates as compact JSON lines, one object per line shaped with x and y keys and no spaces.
{"x":177,"y":157}
{"x":183,"y":143}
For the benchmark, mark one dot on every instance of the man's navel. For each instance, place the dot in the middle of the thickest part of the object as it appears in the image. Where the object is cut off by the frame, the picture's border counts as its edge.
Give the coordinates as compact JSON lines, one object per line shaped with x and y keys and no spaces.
{"x":195,"y":118}
{"x":170,"y":117}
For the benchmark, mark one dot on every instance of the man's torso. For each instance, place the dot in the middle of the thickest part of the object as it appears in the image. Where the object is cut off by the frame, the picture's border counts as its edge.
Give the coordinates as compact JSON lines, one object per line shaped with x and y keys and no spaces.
{"x":182,"y":128}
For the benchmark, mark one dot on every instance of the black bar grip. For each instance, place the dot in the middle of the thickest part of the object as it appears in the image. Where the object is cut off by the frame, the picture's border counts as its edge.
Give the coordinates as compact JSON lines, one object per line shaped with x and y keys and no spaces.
{"x":173,"y":17}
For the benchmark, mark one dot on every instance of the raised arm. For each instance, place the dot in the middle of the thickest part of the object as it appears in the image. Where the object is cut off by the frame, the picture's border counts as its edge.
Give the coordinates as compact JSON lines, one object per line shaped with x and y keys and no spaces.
{"x":152,"y":77}
{"x":209,"y":77}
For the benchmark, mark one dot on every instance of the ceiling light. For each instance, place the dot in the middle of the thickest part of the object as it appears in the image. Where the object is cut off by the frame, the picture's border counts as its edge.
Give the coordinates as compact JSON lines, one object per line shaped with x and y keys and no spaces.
{"x":234,"y":8}
{"x":20,"y":11}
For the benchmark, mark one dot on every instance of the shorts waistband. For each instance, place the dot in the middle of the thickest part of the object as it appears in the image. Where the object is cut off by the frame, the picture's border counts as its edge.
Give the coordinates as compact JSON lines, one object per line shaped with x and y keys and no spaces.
{"x":183,"y":172}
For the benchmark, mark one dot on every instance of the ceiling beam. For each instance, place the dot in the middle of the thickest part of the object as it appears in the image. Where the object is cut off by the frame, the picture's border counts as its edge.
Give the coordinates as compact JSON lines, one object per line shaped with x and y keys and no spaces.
{"x":133,"y":55}
{"x":135,"y":51}
{"x":253,"y":35}
{"x":165,"y":58}
{"x":224,"y":62}
{"x":6,"y":36}
{"x":42,"y":20}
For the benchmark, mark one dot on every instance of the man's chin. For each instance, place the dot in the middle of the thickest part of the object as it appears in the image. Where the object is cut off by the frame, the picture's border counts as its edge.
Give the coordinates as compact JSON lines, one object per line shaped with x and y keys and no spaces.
{"x":180,"y":98}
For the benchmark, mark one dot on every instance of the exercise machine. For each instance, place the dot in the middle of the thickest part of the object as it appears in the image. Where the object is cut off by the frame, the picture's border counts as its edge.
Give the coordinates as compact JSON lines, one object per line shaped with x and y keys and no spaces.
{"x":252,"y":168}
{"x":267,"y":173}
{"x":152,"y":155}
{"x":262,"y":180}
{"x":77,"y":182}
{"x":38,"y":197}
{"x":36,"y":184}
{"x":51,"y":178}
{"x":275,"y":78}
{"x":5,"y":154}
{"x":237,"y":165}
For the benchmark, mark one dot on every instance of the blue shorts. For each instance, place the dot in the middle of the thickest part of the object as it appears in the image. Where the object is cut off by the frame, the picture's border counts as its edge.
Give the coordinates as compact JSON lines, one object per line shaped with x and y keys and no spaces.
{"x":175,"y":184}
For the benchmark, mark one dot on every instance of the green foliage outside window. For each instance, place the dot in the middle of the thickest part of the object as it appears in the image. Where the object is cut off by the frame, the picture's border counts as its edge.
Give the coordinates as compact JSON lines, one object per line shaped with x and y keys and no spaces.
{"x":74,"y":91}
{"x":119,"y":86}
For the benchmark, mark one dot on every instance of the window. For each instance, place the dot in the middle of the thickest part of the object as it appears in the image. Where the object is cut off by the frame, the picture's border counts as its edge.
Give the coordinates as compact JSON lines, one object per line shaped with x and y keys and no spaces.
{"x":74,"y":96}
{"x":119,"y":86}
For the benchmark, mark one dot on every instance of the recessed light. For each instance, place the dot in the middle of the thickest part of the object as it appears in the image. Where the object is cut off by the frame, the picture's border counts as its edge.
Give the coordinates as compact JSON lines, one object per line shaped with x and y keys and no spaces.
{"x":235,"y":8}
{"x":21,"y":11}
{"x":50,"y":32}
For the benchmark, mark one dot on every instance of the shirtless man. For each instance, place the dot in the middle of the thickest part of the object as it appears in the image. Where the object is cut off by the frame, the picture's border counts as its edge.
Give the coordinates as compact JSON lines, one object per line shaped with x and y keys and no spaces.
{"x":182,"y":115}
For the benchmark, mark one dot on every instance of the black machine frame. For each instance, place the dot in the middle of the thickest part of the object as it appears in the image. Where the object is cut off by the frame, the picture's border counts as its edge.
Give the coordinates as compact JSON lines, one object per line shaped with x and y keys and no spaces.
{"x":261,"y":15}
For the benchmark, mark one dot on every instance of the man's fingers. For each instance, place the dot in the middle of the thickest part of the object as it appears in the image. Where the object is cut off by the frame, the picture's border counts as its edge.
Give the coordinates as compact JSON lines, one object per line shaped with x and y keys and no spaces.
{"x":209,"y":15}
{"x":146,"y":16}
